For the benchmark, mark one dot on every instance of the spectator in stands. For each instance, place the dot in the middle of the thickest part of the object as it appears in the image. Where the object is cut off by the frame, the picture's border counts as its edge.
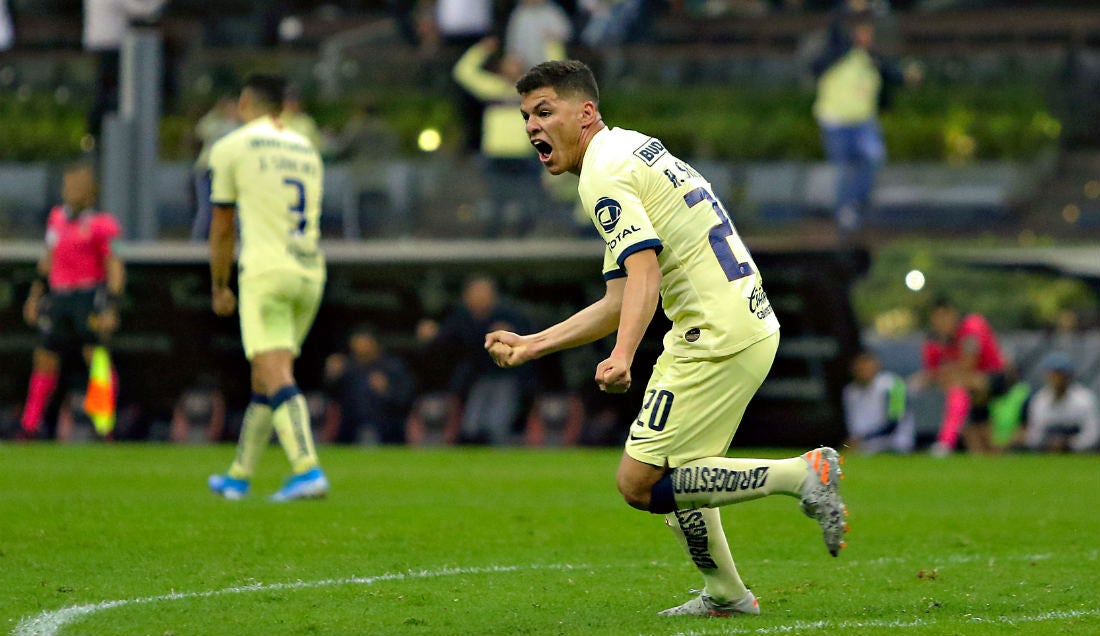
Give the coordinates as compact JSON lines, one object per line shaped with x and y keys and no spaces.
{"x":493,"y":399}
{"x":105,"y":23}
{"x":1008,"y":411}
{"x":875,"y":408}
{"x":612,"y":22}
{"x":537,"y":31}
{"x":460,"y":24}
{"x":370,"y":146}
{"x":221,"y":120}
{"x":371,"y":388}
{"x":1064,"y":415}
{"x":293,"y":117}
{"x":84,"y":279}
{"x":962,"y":356}
{"x":853,"y":85}
{"x":512,"y":168}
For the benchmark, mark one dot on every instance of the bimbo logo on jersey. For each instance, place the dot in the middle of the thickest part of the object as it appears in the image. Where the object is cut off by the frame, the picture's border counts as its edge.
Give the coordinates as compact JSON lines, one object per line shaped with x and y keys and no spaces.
{"x":608,"y":212}
{"x":650,"y":151}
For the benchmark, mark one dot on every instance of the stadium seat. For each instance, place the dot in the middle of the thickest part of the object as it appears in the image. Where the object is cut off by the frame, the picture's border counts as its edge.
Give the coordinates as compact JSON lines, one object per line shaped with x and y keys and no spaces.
{"x":435,"y":419}
{"x":555,"y":419}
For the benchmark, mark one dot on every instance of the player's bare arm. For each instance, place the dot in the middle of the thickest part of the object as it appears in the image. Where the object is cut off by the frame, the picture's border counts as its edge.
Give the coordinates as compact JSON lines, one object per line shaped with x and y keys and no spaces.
{"x":642,"y":291}
{"x":105,"y":321}
{"x":38,"y":288}
{"x":587,"y":325}
{"x":223,"y":238}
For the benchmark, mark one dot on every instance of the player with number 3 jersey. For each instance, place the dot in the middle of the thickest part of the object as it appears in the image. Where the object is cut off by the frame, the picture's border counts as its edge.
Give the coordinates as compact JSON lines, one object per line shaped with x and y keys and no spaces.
{"x":270,"y":178}
{"x":670,"y":240}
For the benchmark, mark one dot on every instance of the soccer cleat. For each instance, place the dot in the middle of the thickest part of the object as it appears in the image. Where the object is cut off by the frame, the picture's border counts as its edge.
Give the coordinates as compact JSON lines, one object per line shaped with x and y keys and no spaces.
{"x":308,"y":485}
{"x":704,"y":605}
{"x":228,"y":487}
{"x":820,"y":499}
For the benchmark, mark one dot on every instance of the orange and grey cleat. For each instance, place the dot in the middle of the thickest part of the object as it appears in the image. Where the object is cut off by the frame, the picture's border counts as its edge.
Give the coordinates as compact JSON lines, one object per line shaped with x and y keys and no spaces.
{"x":821,"y":499}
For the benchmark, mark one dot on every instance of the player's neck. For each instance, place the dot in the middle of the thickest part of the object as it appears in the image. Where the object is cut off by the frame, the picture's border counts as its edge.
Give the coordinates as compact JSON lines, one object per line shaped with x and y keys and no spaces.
{"x":587,"y":135}
{"x":257,"y":115}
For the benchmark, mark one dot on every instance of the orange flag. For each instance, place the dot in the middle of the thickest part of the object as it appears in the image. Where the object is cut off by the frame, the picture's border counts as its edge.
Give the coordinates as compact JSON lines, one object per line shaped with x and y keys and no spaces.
{"x":99,"y":400}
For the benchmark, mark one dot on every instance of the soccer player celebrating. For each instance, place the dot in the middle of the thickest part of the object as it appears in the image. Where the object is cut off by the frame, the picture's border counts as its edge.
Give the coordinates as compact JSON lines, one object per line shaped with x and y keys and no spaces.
{"x":84,"y":279}
{"x":272,"y":177}
{"x":668,"y":237}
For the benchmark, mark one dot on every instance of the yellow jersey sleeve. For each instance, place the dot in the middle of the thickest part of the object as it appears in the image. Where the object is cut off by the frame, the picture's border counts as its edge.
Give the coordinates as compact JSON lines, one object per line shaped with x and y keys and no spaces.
{"x":223,"y":186}
{"x":611,"y":196}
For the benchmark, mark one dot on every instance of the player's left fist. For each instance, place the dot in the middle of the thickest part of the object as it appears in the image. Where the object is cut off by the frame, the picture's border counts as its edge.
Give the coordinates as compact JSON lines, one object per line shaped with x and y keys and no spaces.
{"x":223,"y":301}
{"x":104,"y":322}
{"x":613,"y":375}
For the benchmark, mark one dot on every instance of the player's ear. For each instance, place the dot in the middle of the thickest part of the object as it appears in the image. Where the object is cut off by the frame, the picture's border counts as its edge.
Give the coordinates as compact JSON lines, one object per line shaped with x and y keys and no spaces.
{"x":589,"y":113}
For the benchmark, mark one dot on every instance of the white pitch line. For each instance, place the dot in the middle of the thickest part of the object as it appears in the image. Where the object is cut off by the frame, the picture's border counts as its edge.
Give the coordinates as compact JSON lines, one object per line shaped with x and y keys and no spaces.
{"x":49,"y":623}
{"x":802,"y":627}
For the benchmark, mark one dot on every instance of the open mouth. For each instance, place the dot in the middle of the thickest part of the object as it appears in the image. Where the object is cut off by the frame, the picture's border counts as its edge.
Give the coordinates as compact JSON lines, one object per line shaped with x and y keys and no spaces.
{"x":544,"y":149}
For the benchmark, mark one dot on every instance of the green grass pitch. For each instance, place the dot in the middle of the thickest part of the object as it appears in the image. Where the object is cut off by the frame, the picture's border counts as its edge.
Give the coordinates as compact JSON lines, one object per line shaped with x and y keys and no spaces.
{"x":125,"y":539}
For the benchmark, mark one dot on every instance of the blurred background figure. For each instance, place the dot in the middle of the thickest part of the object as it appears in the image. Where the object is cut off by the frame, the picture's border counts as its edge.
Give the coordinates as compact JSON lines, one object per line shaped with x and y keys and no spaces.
{"x":537,"y":31}
{"x":493,"y":400}
{"x":370,"y":389}
{"x":293,"y":117}
{"x":105,"y":23}
{"x":218,"y":122}
{"x":74,"y":302}
{"x":512,"y":170}
{"x":612,"y":22}
{"x":460,"y":24}
{"x":961,"y":355}
{"x":853,"y":85}
{"x":380,"y":179}
{"x":875,"y":408}
{"x":1064,"y":415}
{"x":7,"y":30}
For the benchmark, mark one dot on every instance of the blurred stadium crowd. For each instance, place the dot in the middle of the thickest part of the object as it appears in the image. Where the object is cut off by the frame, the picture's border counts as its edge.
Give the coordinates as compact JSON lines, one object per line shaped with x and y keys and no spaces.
{"x":994,"y":131}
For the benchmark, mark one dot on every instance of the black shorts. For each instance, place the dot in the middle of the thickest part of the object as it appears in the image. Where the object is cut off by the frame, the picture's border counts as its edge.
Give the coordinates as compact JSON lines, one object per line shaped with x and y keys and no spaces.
{"x":64,"y":319}
{"x":998,"y":386}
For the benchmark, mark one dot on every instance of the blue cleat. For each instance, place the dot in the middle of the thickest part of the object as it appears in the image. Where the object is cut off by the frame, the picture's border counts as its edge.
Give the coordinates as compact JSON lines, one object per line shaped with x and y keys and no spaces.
{"x":228,"y":487}
{"x":308,"y":485}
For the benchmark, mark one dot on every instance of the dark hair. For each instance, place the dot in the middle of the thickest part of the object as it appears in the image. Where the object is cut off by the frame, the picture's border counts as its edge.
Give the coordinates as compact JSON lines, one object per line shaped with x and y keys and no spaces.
{"x":267,"y":88}
{"x":569,"y":78}
{"x":364,"y":329}
{"x":941,"y":301}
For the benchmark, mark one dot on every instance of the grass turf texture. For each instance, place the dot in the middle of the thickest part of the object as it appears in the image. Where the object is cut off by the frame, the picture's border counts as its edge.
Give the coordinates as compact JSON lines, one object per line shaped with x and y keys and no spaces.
{"x":966,"y":545}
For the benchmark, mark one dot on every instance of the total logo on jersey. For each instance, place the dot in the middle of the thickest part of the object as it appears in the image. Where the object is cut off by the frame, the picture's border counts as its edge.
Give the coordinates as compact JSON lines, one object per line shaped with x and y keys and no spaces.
{"x":608,"y":212}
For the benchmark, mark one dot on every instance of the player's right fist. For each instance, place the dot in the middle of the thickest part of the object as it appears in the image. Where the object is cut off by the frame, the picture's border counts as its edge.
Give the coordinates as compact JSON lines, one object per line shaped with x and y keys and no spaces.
{"x":30,"y":311}
{"x":507,"y":349}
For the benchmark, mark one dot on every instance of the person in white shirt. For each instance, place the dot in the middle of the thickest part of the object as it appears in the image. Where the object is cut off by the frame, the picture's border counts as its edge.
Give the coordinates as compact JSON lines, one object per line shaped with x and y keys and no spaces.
{"x":875,"y":408}
{"x":1064,"y":414}
{"x":537,"y":31}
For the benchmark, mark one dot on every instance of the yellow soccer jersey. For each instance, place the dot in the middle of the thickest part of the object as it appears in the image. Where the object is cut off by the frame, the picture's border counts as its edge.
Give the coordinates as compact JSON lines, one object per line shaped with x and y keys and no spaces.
{"x":639,"y":196}
{"x":274,"y":178}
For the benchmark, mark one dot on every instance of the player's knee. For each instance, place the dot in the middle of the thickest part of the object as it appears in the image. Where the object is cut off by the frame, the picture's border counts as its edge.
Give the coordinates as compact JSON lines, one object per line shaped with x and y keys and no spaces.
{"x":636,"y":495}
{"x":46,"y":361}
